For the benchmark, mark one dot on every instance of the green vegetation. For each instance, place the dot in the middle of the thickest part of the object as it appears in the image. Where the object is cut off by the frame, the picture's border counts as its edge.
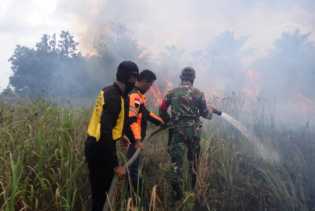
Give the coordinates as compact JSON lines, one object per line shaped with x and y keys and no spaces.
{"x":42,"y":166}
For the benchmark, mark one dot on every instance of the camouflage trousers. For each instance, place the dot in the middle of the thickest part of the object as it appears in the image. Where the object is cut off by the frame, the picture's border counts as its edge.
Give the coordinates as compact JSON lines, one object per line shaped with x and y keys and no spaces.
{"x":183,"y":143}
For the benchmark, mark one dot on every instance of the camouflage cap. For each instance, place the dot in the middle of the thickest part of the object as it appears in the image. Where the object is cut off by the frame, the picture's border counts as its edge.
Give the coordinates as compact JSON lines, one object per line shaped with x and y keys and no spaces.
{"x":188,"y":74}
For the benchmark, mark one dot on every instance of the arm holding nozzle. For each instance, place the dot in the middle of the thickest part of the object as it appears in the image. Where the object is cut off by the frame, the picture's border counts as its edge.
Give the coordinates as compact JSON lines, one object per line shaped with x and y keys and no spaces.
{"x":206,"y":111}
{"x":216,"y":111}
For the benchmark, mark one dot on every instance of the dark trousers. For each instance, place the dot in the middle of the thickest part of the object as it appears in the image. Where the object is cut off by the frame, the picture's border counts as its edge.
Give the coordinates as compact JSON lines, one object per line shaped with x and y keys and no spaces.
{"x":100,"y":177}
{"x":101,"y":173}
{"x":183,"y":142}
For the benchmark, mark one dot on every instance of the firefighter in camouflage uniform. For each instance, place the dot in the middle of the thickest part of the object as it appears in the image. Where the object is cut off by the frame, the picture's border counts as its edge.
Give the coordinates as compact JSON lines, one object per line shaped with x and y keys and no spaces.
{"x":187,"y":105}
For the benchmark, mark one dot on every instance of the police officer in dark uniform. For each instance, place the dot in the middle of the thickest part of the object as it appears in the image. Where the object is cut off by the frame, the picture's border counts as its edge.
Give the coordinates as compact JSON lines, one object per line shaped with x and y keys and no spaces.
{"x":105,"y":128}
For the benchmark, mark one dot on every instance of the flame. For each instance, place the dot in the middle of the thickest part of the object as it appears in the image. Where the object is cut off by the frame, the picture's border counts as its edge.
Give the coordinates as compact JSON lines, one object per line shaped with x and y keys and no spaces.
{"x":156,"y":93}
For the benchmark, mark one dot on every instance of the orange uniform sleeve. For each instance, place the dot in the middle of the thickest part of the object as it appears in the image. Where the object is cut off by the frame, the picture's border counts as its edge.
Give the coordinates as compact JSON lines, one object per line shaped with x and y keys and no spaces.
{"x":133,"y":114}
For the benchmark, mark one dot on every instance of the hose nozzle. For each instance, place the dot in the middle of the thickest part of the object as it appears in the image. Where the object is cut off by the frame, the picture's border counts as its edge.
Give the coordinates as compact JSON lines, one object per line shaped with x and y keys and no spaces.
{"x":216,"y":111}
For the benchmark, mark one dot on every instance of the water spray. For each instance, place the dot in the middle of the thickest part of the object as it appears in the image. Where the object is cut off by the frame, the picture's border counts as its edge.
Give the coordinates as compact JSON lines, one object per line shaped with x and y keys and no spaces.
{"x":265,"y":154}
{"x":269,"y":154}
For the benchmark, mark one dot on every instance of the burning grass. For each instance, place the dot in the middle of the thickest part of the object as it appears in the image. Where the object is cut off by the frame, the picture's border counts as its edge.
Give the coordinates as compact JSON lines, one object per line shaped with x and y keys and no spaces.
{"x":42,"y":166}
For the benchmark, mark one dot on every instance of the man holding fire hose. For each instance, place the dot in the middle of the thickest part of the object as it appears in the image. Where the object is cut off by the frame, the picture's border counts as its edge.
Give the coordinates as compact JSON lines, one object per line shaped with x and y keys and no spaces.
{"x":106,"y":126}
{"x":187,"y":105}
{"x":138,"y":115}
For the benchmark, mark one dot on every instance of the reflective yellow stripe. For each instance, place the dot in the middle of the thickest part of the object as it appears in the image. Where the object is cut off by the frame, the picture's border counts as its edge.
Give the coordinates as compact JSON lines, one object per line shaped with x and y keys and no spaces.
{"x":117,"y":132}
{"x":94,"y":127}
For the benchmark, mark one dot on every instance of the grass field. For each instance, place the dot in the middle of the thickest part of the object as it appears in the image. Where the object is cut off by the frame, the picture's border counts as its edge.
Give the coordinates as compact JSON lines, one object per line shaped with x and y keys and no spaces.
{"x":43,"y":168}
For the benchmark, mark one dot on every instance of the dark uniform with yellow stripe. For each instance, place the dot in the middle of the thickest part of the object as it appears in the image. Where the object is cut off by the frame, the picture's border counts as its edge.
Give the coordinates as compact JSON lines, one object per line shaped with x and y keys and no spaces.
{"x":138,"y":116}
{"x":105,"y":128}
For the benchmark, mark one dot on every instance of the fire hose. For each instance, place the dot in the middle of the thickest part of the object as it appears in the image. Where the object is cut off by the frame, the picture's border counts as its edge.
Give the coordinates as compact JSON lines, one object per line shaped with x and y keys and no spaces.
{"x":126,"y":165}
{"x":134,"y":157}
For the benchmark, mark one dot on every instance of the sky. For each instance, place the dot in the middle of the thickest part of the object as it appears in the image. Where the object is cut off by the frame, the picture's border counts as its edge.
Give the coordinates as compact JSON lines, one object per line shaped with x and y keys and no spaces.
{"x":186,"y":24}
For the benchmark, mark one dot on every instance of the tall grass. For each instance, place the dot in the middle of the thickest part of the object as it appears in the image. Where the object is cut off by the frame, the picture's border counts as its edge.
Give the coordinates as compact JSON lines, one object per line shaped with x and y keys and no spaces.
{"x":43,"y":168}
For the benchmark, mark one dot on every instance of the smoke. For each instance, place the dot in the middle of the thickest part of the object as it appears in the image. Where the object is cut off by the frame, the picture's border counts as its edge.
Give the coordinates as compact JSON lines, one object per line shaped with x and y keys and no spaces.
{"x":264,"y":51}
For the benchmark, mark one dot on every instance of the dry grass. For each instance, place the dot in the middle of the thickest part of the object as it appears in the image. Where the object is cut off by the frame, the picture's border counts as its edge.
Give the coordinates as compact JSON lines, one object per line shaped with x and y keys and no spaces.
{"x":42,"y":167}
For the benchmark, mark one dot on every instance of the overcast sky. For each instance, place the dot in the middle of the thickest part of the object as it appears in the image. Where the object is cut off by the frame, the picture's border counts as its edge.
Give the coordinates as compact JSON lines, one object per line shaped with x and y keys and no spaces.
{"x":187,"y":24}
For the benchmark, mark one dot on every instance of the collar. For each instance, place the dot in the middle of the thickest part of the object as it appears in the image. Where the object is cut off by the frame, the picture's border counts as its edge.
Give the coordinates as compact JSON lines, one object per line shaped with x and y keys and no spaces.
{"x":118,"y":89}
{"x":186,"y":83}
{"x":138,"y":90}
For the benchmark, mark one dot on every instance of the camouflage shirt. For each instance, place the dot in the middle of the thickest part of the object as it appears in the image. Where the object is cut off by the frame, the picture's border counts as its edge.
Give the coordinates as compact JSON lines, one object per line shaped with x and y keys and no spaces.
{"x":187,"y":105}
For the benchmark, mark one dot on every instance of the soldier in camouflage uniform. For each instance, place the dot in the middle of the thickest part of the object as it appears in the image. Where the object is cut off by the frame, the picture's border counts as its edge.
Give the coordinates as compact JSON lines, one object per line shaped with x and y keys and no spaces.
{"x":187,"y":105}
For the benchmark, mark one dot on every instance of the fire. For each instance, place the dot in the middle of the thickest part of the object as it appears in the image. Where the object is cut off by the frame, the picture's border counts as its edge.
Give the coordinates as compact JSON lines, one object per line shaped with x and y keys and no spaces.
{"x":155,"y":94}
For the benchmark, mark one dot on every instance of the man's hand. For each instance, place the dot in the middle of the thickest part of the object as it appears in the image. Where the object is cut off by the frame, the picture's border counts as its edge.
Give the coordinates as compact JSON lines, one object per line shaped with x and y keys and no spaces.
{"x":120,"y":171}
{"x":124,"y":142}
{"x":165,"y":125}
{"x":139,"y":145}
{"x":215,"y":111}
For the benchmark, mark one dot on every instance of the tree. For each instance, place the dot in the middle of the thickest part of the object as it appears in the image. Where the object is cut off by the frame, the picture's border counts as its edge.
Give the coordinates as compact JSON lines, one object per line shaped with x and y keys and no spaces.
{"x":56,"y":68}
{"x":67,"y":46}
{"x":48,"y":69}
{"x":7,"y":92}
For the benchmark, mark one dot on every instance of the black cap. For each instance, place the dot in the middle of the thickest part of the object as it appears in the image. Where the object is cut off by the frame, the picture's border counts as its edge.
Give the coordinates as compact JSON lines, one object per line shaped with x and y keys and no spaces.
{"x":188,"y":74}
{"x":125,"y":70}
{"x":147,"y":75}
